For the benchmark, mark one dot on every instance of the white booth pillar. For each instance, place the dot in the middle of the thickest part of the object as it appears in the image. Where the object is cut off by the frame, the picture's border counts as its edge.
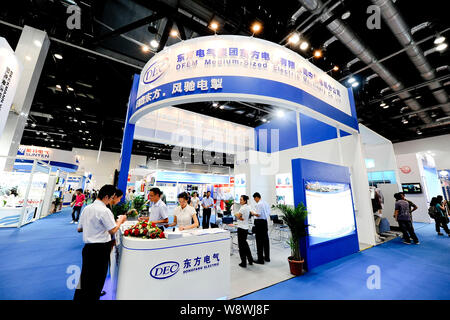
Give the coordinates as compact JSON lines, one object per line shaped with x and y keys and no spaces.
{"x":31,"y":52}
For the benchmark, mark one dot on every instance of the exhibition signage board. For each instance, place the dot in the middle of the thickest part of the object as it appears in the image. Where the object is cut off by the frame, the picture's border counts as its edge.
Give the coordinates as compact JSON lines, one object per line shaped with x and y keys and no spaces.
{"x":10,"y":70}
{"x":239,"y":68}
{"x":65,"y":160}
{"x":170,"y":176}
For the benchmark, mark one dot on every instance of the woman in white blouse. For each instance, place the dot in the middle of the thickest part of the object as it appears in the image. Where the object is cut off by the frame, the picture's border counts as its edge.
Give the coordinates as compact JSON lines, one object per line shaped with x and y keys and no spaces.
{"x":242,"y":223}
{"x":184,"y":214}
{"x":195,"y":202}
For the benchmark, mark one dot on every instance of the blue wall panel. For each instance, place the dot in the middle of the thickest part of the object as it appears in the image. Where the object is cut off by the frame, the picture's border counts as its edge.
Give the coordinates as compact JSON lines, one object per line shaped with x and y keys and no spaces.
{"x":344,"y":133}
{"x":321,"y":253}
{"x":287,"y":134}
{"x":313,"y":131}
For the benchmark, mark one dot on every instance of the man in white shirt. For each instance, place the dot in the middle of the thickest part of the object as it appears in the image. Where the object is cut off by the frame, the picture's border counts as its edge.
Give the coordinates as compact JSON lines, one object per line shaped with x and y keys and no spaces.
{"x":261,"y":229}
{"x":159,"y":211}
{"x":97,"y":224}
{"x":207,"y":204}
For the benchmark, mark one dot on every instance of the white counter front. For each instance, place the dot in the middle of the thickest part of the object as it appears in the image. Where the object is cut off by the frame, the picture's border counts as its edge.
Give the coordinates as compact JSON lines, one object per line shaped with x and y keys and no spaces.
{"x":191,"y":265}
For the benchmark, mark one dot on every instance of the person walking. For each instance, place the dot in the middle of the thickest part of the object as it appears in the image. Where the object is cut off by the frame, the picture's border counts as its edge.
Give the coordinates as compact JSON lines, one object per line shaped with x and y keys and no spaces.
{"x":207,"y":204}
{"x":403,"y":217}
{"x":261,"y":229}
{"x":77,"y":204}
{"x":242,"y":231}
{"x":97,"y":225}
{"x":441,"y":215}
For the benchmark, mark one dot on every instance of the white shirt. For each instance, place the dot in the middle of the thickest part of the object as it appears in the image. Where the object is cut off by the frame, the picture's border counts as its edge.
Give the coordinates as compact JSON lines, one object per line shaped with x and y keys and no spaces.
{"x":207,"y":202}
{"x":195,"y":202}
{"x":245,"y":211}
{"x":96,"y":220}
{"x":263,"y":209}
{"x":184,"y":216}
{"x":159,"y":211}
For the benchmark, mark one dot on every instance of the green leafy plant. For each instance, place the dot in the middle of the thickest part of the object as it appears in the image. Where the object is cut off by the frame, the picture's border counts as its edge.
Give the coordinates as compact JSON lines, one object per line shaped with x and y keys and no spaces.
{"x":139,"y":204}
{"x":229,"y":204}
{"x":120,"y":209}
{"x":295,"y":219}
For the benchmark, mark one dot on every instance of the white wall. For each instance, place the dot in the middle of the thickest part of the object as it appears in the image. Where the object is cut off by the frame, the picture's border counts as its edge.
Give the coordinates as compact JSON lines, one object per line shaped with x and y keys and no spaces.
{"x":439,"y":148}
{"x":103,"y":170}
{"x":411,"y":160}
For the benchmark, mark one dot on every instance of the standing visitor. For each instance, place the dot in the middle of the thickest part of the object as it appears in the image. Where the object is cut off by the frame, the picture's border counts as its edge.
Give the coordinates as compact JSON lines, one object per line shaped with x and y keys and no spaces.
{"x":97,"y":224}
{"x":412,"y":206}
{"x":377,"y":209}
{"x":77,"y":204}
{"x":242,"y":231}
{"x":441,"y":215}
{"x":403,"y":217}
{"x":195,"y":202}
{"x":207,"y":204}
{"x":159,"y":211}
{"x":261,"y":229}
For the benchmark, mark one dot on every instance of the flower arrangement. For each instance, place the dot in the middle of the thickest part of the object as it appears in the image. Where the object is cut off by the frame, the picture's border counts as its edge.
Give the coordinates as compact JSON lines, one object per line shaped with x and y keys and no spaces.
{"x":145,"y":230}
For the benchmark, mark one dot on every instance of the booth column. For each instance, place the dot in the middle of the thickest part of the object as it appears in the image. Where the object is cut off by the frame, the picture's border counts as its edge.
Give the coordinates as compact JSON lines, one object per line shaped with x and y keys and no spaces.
{"x":31,"y":52}
{"x":127,"y":141}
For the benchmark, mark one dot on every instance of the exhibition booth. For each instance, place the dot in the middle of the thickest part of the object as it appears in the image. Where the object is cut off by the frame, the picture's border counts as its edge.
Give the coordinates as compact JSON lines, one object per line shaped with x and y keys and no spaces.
{"x":310,"y":153}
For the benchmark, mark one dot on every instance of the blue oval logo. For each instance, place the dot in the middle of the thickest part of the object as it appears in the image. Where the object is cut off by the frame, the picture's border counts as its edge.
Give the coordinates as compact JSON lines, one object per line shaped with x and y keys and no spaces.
{"x":156,"y":70}
{"x":165,"y":270}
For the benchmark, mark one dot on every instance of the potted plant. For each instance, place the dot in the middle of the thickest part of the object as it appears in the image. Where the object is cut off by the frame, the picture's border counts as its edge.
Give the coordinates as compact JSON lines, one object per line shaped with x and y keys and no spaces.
{"x":295,"y":219}
{"x":228,"y":206}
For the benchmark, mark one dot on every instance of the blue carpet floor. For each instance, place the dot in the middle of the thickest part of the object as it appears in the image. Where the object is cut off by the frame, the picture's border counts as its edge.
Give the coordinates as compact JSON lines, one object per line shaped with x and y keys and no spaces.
{"x":37,"y":261}
{"x":407,"y":272}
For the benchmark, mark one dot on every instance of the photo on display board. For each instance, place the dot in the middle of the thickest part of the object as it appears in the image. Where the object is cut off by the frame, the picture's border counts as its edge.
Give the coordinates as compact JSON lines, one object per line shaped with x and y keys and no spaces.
{"x":330,"y":210}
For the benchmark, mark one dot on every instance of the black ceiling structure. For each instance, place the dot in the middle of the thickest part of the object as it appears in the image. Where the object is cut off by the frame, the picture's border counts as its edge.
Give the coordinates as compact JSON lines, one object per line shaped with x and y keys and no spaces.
{"x":100,"y":59}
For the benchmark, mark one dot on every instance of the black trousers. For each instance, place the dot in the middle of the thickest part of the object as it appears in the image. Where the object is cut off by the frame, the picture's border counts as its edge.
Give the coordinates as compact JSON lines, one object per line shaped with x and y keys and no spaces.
{"x":262,"y":239}
{"x":441,"y":221}
{"x":93,"y":271}
{"x":408,"y":231}
{"x":244,"y":249}
{"x":206,"y":217}
{"x":76,"y":210}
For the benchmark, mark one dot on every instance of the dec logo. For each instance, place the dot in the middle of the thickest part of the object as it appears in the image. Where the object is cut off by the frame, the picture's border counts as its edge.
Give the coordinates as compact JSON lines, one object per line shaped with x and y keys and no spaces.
{"x":165,"y":270}
{"x":156,"y":70}
{"x":405,"y":169}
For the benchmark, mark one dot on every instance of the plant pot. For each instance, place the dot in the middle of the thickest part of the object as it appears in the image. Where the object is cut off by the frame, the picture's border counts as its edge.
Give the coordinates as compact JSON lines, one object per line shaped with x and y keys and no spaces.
{"x":296,"y":266}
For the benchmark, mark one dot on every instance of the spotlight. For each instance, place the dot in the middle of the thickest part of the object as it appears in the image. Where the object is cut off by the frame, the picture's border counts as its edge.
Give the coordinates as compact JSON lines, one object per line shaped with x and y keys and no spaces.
{"x":294,"y":38}
{"x":58,"y":56}
{"x":263,"y":120}
{"x":154,"y":43}
{"x":214,"y":26}
{"x":385,"y":106}
{"x":441,"y":47}
{"x":33,"y":125}
{"x":351,"y":80}
{"x":304,"y":45}
{"x":78,"y":109}
{"x":419,"y":132}
{"x":346,"y":15}
{"x":439,"y":39}
{"x":58,"y":86}
{"x":317,"y":54}
{"x":68,"y":107}
{"x":405,"y":121}
{"x":215,"y":104}
{"x":355,"y":84}
{"x":174,"y":33}
{"x":256,"y":27}
{"x":69,"y":88}
{"x":335,"y":68}
{"x":221,"y":107}
{"x":145,"y":48}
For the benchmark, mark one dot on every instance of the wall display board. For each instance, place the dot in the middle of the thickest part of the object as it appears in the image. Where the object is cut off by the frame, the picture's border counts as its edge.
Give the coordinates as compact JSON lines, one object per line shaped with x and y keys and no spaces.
{"x":330,"y":211}
{"x":325,"y":190}
{"x":411,"y":188}
{"x":284,"y":189}
{"x":240,"y":186}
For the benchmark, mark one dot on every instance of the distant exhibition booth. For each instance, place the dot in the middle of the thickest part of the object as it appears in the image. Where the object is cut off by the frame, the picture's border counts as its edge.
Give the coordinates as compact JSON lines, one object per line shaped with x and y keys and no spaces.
{"x":310,"y":151}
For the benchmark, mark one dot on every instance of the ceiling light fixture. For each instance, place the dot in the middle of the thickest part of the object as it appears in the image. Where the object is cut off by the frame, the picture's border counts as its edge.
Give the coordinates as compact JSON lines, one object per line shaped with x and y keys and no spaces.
{"x":145,"y":48}
{"x":441,"y":47}
{"x":263,"y":120}
{"x":58,"y":86}
{"x":317,"y":53}
{"x":174,"y":33}
{"x":58,"y":56}
{"x":304,"y":45}
{"x":215,"y":104}
{"x":419,"y":132}
{"x":154,"y":43}
{"x":214,"y":26}
{"x":69,"y":88}
{"x":439,"y":39}
{"x":78,"y":109}
{"x":355,"y":84}
{"x":351,"y":80}
{"x":222,"y":107}
{"x":68,"y":107}
{"x":294,"y":38}
{"x":256,"y":27}
{"x":335,"y":68}
{"x":346,"y":15}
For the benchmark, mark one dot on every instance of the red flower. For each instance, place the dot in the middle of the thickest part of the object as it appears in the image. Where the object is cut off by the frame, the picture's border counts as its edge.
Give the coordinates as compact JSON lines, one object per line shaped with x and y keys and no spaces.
{"x":144,"y":225}
{"x":145,"y":231}
{"x":153,"y":225}
{"x":162,"y":235}
{"x":126,"y":232}
{"x":152,"y":235}
{"x":136,"y":232}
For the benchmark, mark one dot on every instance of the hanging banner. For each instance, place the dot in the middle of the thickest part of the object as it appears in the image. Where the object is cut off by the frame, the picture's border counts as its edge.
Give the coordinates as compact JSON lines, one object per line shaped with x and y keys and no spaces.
{"x":239,"y":68}
{"x":10,"y":70}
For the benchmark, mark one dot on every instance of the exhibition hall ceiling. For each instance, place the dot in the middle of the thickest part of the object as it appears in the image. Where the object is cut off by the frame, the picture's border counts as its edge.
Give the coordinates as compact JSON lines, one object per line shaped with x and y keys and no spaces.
{"x":81,"y":99}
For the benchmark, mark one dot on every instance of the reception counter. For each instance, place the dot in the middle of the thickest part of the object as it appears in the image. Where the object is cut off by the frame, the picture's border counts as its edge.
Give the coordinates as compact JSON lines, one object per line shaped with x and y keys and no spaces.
{"x":191,"y":264}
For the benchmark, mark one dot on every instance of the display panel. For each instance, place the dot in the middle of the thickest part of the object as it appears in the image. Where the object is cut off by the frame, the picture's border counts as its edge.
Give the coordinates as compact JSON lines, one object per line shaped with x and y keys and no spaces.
{"x":284,"y":189}
{"x":240,"y":186}
{"x":330,"y":211}
{"x":411,"y":188}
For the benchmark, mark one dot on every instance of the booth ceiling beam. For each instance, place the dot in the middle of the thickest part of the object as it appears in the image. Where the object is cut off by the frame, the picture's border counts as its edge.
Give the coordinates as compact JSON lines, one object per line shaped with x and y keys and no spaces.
{"x":359,"y":49}
{"x":165,"y":34}
{"x":134,"y":25}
